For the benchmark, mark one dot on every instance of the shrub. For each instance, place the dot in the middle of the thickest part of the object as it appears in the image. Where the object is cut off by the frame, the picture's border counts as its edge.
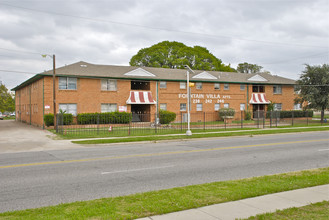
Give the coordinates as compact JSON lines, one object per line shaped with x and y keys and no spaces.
{"x":104,"y":118}
{"x":166,"y":117}
{"x":288,"y":114}
{"x":247,"y":115}
{"x":49,"y":119}
{"x":67,"y":118}
{"x":224,"y":112}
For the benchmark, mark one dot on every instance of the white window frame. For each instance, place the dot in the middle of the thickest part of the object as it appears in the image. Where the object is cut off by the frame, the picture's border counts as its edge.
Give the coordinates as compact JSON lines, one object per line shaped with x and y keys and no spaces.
{"x":277,"y":106}
{"x":163,"y":106}
{"x":199,"y":107}
{"x":277,"y":89}
{"x":109,"y":85}
{"x":297,"y":106}
{"x":226,"y":86}
{"x":182,"y":85}
{"x":182,"y":107}
{"x":69,"y":108}
{"x":217,"y":106}
{"x":109,"y":107}
{"x":217,"y":86}
{"x":226,"y":105}
{"x":65,"y":83}
{"x":198,"y":85}
{"x":163,"y":84}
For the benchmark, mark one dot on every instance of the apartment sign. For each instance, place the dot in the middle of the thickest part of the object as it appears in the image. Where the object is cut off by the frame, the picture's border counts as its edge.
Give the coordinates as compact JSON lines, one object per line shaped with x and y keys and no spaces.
{"x":208,"y":98}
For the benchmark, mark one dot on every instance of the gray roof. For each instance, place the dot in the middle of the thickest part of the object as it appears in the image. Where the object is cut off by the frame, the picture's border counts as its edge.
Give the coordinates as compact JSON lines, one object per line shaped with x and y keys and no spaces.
{"x":84,"y":69}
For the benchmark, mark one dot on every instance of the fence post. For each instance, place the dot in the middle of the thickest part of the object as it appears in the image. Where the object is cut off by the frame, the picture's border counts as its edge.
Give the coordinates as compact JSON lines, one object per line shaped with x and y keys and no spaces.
{"x":271,"y":118}
{"x":204,"y":121}
{"x":306,"y":118}
{"x":181,"y":121}
{"x":241,"y":119}
{"x":156,"y":123}
{"x":264,"y":118}
{"x":131,"y":118}
{"x":292,"y":118}
{"x":97,"y":123}
{"x":257,"y":118}
{"x":225,"y":120}
{"x":276,"y":117}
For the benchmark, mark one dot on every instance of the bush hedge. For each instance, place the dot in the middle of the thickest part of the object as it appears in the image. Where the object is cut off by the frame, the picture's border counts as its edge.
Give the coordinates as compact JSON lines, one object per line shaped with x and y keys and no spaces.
{"x":104,"y":118}
{"x":49,"y":119}
{"x":288,"y":114}
{"x":166,"y":117}
{"x":223,"y":112}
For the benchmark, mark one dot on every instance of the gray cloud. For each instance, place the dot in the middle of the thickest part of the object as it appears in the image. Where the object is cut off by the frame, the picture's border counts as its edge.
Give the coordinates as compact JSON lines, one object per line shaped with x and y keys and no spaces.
{"x":271,"y":33}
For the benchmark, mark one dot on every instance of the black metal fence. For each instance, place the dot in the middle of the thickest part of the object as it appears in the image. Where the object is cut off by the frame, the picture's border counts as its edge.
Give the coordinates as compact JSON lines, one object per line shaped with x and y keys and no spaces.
{"x":99,"y":125}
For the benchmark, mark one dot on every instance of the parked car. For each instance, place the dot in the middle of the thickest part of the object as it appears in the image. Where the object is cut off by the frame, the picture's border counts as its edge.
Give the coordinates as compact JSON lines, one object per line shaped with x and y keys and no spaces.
{"x":1,"y":116}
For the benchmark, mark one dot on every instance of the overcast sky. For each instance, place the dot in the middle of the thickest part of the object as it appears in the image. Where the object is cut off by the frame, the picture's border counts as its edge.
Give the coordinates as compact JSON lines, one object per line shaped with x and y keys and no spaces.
{"x":280,"y":35}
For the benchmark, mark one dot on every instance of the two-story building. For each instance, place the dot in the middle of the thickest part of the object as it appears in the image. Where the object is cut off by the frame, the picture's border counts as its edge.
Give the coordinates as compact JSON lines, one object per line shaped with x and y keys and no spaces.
{"x":85,"y":88}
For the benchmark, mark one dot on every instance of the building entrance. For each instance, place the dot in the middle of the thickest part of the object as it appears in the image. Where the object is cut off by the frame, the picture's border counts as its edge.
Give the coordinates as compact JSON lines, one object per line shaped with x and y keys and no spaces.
{"x":141,"y":112}
{"x":258,"y":110}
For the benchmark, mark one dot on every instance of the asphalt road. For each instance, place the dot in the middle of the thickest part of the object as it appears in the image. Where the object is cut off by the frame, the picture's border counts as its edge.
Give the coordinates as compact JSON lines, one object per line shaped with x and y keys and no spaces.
{"x":42,"y":178}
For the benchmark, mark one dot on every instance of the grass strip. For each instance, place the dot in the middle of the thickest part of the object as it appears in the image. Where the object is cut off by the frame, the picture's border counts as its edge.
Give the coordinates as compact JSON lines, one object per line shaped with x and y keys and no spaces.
{"x":176,"y":199}
{"x":203,"y":135}
{"x":317,"y":211}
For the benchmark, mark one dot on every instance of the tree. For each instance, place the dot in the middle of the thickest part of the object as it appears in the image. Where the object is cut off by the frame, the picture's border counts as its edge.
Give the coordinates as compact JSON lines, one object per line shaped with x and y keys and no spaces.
{"x":175,"y":55}
{"x":7,"y":102}
{"x":248,"y":68}
{"x":313,"y":87}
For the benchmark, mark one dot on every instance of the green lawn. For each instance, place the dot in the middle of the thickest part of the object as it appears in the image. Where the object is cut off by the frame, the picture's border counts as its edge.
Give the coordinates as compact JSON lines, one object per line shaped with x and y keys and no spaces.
{"x":203,"y":135}
{"x":176,"y":199}
{"x":316,"y":211}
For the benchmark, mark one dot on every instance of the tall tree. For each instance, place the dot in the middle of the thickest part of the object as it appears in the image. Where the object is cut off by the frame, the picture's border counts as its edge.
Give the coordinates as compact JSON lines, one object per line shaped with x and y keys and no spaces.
{"x":248,"y":68}
{"x":7,"y":102}
{"x":313,"y":85}
{"x":175,"y":55}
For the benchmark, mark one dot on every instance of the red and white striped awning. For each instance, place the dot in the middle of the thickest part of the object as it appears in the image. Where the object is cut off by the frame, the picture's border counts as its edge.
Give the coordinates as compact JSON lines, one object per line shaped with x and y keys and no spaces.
{"x":140,"y":98}
{"x":258,"y":98}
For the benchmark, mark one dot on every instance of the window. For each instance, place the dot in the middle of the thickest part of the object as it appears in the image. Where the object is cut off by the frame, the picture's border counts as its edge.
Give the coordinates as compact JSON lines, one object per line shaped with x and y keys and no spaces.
{"x":242,"y":86}
{"x":163,"y":106}
{"x":183,"y":106}
{"x":217,"y":106}
{"x":216,"y":86}
{"x":242,"y":107}
{"x":297,"y":106}
{"x":277,"y":89}
{"x":258,"y":88}
{"x":182,"y":85}
{"x":108,"y":107}
{"x":69,"y":108}
{"x":163,"y":84}
{"x":226,"y":105}
{"x":277,"y":106}
{"x":226,"y":86}
{"x":198,"y":85}
{"x":109,"y":85}
{"x":67,"y":83}
{"x":199,"y":107}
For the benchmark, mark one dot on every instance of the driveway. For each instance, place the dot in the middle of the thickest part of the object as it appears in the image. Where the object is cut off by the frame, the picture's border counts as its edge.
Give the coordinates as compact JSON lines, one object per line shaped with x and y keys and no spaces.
{"x":20,"y":137}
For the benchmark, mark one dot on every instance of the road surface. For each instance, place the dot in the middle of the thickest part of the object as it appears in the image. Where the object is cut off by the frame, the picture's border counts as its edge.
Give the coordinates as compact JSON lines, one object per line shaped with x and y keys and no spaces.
{"x":43,"y":178}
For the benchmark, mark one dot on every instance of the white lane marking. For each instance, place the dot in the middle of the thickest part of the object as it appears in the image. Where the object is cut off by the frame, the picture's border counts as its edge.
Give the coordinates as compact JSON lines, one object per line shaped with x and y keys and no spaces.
{"x":323,"y":149}
{"x":133,"y":170}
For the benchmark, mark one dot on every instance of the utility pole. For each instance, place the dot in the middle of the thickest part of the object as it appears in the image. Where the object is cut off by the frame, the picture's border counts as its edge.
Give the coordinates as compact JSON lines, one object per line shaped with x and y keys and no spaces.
{"x":54,"y":89}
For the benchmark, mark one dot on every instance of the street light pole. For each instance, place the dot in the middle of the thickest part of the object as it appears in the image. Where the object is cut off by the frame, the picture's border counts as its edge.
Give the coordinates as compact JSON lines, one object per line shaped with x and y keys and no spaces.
{"x":188,"y":132}
{"x":54,"y":89}
{"x":54,"y":84}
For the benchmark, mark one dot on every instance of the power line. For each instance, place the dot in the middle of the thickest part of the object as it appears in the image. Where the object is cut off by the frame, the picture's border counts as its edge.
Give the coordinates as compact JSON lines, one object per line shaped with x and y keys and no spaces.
{"x":14,"y":71}
{"x":162,"y":29}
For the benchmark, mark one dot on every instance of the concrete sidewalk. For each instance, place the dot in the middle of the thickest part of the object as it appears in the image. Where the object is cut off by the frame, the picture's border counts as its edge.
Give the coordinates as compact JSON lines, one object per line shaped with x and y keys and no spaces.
{"x":252,"y":206}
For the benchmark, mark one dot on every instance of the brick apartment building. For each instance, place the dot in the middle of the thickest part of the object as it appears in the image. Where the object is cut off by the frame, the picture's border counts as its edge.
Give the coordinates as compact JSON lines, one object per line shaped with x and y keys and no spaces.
{"x":86,"y":88}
